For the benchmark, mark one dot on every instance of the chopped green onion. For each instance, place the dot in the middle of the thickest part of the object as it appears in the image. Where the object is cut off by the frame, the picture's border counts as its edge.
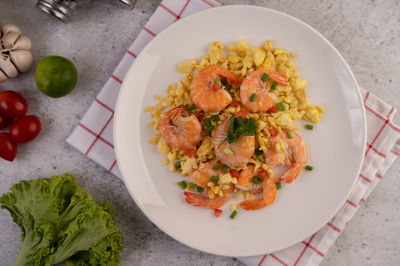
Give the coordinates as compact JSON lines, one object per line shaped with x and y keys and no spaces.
{"x":191,"y":107}
{"x":273,"y":86}
{"x":216,"y":167}
{"x":221,"y":144}
{"x":215,"y":178}
{"x":224,"y":81}
{"x":288,"y":105}
{"x":253,"y":97}
{"x":229,"y":87}
{"x":260,"y":158}
{"x":280,"y":106}
{"x":258,"y":152}
{"x":309,"y":127}
{"x":216,"y":82}
{"x":209,"y":129}
{"x":256,"y":179}
{"x":200,"y":189}
{"x":178,"y":165}
{"x":289,"y":135}
{"x":228,"y":151}
{"x":309,"y":167}
{"x":265,"y":77}
{"x":180,"y":101}
{"x":209,"y":126}
{"x":215,"y":118}
{"x":225,"y":168}
{"x":278,"y":185}
{"x":233,"y":214}
{"x":192,"y":185}
{"x":182,"y":184}
{"x":207,"y":122}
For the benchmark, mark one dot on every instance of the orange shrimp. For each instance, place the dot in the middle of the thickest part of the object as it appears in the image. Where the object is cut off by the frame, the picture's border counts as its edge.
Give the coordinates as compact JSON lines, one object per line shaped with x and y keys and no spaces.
{"x":268,"y":196}
{"x":208,"y":96}
{"x":203,"y":175}
{"x":245,"y":180}
{"x":180,"y":129}
{"x":255,"y":94}
{"x":232,"y":154}
{"x":207,"y":203}
{"x":273,"y":156}
{"x":294,"y":155}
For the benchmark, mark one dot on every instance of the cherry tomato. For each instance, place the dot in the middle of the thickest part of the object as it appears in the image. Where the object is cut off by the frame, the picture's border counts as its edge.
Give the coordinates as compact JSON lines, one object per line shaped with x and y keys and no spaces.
{"x":8,"y":147}
{"x":3,"y":121}
{"x":12,"y":104}
{"x":25,"y":129}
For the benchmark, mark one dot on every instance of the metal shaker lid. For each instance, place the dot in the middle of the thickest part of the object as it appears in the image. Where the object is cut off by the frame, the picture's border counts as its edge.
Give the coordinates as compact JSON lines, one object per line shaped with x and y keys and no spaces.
{"x":129,"y":3}
{"x":61,"y":9}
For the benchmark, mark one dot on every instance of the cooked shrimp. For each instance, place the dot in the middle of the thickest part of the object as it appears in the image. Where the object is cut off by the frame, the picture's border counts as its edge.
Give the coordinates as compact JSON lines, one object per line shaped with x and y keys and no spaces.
{"x":203,"y":175}
{"x":294,"y":154}
{"x":203,"y":202}
{"x":276,"y":156}
{"x":255,"y":94}
{"x":268,"y":196}
{"x":180,"y":130}
{"x":207,"y":95}
{"x":245,"y":180}
{"x":232,"y":154}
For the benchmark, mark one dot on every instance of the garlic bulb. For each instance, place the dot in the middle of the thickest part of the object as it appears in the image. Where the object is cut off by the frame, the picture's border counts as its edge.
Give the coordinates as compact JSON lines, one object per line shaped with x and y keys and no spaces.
{"x":15,"y":55}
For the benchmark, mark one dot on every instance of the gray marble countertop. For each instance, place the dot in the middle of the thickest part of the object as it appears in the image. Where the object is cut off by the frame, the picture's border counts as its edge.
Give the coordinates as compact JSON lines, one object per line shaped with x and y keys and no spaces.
{"x":366,"y":32}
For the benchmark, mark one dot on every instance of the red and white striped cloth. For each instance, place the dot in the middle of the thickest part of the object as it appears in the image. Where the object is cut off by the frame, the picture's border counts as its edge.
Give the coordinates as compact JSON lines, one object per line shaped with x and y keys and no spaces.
{"x":93,"y":137}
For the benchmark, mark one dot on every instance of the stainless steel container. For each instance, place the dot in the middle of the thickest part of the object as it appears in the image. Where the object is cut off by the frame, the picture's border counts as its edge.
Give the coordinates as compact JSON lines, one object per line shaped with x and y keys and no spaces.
{"x":62,"y":9}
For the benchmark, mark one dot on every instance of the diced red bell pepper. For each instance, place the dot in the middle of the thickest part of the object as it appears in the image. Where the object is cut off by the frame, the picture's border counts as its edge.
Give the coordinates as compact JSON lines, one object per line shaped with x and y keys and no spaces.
{"x":191,"y":153}
{"x":273,"y":132}
{"x":215,"y":87}
{"x":273,"y":109}
{"x":217,"y":212}
{"x":262,"y":173}
{"x":200,"y":117}
{"x":234,"y":104}
{"x":235,"y":173}
{"x":242,"y":113}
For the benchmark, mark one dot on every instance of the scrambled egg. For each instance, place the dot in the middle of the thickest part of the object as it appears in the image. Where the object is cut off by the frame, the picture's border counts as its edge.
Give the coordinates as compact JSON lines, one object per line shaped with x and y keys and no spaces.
{"x":241,"y":59}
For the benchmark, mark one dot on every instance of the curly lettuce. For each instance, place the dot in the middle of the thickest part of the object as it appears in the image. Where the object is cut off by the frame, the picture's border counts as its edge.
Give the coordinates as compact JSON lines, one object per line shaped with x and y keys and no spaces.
{"x":60,"y":222}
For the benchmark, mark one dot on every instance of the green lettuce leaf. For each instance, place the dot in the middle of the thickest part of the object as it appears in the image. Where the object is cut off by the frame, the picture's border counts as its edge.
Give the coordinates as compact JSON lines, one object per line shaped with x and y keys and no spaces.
{"x":61,"y":222}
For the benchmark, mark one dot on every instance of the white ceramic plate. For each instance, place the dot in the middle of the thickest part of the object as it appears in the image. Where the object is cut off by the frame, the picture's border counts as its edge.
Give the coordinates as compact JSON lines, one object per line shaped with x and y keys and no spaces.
{"x":336,"y":146}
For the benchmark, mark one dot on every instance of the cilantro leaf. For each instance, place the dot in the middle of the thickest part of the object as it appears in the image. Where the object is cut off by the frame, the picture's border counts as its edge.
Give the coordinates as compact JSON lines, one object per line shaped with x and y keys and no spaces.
{"x":240,"y":127}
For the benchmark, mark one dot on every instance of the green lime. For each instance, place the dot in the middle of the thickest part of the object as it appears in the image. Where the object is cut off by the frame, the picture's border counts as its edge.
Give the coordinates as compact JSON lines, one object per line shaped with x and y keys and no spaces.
{"x":56,"y":76}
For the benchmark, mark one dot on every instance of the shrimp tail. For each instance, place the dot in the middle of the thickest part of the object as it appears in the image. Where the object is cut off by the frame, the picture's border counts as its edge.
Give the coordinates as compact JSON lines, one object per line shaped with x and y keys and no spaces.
{"x":291,"y":173}
{"x":195,"y":200}
{"x":269,"y":194}
{"x":278,"y":77}
{"x":251,"y":205}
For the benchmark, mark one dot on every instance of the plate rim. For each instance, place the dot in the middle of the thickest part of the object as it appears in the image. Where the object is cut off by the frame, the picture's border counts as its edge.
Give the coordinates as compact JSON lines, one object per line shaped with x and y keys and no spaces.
{"x":164,"y":32}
